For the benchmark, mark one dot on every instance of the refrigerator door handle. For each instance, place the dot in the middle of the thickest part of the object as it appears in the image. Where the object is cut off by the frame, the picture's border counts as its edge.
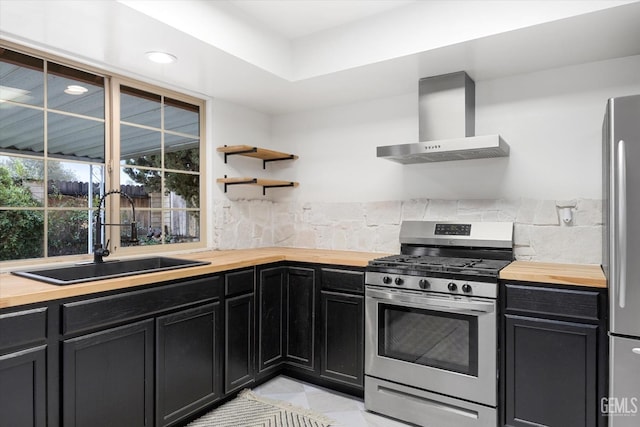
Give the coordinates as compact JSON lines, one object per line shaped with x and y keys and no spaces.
{"x":621,"y":265}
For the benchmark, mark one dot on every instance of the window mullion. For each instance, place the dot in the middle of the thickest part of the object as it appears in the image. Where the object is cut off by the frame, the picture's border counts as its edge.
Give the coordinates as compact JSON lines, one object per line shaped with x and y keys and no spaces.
{"x":112,"y":154}
{"x":45,"y":160}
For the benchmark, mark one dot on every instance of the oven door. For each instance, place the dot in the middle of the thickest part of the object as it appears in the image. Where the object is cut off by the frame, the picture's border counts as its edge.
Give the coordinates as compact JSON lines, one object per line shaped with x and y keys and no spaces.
{"x":442,"y":343}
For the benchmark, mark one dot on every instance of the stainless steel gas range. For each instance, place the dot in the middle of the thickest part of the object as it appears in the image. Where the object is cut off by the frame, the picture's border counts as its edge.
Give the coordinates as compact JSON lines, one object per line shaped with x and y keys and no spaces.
{"x":431,"y":344}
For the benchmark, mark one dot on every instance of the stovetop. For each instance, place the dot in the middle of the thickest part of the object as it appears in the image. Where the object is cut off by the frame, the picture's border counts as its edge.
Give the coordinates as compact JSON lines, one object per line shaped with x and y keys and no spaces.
{"x":426,"y":264}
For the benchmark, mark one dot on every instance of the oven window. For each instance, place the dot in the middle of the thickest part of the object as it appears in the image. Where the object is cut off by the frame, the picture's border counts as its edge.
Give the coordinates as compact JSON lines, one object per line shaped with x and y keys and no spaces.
{"x":432,"y":338}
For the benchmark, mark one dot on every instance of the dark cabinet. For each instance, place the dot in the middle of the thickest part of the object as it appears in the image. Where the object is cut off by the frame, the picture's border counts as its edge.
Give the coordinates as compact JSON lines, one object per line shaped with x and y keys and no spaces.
{"x":271,"y":317}
{"x":238,"y":342}
{"x":187,"y":362}
{"x":239,"y":353}
{"x":342,"y":338}
{"x":551,"y":373}
{"x":554,"y":372}
{"x":23,"y":388}
{"x":300,"y":319}
{"x":23,"y":355}
{"x":157,"y":355}
{"x":342,"y":327}
{"x":146,"y":357}
{"x":108,"y":378}
{"x":286,"y":318}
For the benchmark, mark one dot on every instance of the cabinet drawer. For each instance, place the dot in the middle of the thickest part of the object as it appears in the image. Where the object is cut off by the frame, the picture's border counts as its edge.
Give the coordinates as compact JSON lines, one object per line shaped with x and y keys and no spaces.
{"x":342,"y":280}
{"x":120,"y":308}
{"x":22,"y":328}
{"x":239,"y":282}
{"x":570,"y":303}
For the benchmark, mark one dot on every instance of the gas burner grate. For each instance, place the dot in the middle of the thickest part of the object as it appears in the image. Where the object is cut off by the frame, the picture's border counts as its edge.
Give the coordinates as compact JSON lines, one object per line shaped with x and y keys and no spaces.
{"x":469,"y":266}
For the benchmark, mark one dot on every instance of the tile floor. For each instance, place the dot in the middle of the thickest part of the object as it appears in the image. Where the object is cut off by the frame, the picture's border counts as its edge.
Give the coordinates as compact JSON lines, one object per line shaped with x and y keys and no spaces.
{"x":347,"y":411}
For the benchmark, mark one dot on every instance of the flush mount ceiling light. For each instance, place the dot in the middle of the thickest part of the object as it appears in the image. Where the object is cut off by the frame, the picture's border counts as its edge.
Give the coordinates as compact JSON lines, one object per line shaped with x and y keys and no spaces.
{"x":75,"y":90}
{"x":161,"y":57}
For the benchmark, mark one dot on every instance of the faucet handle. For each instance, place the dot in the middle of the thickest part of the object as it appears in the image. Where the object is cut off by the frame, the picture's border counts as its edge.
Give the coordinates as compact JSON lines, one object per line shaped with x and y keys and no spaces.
{"x":106,"y":252}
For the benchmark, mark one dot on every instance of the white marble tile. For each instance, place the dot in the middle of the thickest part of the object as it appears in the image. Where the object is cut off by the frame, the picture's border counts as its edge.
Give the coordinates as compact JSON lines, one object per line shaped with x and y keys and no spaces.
{"x":345,"y":410}
{"x":347,"y":419}
{"x":297,"y":399}
{"x":280,"y":385}
{"x":324,"y":402}
{"x":375,"y":420}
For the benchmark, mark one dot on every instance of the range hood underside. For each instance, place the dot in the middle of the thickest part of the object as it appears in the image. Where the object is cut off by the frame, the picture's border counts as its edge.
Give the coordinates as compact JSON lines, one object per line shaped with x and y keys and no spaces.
{"x":475,"y":147}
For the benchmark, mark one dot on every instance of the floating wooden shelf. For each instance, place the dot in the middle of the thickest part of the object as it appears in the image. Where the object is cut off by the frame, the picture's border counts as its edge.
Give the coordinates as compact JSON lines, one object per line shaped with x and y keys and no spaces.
{"x":255,"y":152}
{"x":264,"y":183}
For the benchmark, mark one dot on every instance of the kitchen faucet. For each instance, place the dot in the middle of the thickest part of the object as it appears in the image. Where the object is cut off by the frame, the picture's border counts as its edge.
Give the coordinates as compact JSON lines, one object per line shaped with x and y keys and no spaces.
{"x":98,"y":251}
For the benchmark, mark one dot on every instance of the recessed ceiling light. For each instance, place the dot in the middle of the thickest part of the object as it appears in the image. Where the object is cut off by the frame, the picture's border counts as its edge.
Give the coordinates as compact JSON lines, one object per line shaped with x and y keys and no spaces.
{"x":76,"y":90}
{"x":161,"y":57}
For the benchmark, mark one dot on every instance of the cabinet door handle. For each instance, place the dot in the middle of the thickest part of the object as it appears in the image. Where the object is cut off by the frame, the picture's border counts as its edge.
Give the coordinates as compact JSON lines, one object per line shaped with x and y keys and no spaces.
{"x":636,"y":350}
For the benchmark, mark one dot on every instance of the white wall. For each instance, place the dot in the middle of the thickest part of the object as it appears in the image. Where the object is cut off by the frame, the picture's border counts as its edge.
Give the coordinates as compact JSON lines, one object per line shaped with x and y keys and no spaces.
{"x":234,"y":124}
{"x":551,"y":119}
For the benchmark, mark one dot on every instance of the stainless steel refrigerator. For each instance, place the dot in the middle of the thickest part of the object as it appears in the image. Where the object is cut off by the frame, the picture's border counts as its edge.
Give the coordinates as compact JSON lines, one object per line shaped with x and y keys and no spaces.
{"x":621,"y":257}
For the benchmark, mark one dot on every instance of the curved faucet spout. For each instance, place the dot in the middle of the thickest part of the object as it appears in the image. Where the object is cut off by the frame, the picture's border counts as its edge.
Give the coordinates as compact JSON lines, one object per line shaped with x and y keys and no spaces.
{"x":98,"y":251}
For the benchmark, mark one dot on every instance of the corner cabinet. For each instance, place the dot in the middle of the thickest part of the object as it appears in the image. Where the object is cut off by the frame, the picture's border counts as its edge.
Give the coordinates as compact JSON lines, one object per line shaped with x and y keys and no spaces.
{"x":286,"y":318}
{"x":310,"y":324}
{"x":554,"y":365}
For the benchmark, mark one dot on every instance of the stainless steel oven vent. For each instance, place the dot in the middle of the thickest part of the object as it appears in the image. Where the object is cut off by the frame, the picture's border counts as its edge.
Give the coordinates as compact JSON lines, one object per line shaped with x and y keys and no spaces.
{"x":446,"y":105}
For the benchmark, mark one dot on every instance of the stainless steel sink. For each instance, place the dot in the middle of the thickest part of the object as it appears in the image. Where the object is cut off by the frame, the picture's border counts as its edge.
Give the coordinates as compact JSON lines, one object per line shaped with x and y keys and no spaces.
{"x":81,"y":273}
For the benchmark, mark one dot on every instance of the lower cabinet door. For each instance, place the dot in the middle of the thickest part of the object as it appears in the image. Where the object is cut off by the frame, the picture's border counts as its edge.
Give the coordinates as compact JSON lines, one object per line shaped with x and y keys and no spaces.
{"x":300,"y":297}
{"x":342,"y":320}
{"x":238,"y":350}
{"x":550,"y":373}
{"x":108,"y":378}
{"x":271,"y":318}
{"x":188,"y":376}
{"x":23,"y":388}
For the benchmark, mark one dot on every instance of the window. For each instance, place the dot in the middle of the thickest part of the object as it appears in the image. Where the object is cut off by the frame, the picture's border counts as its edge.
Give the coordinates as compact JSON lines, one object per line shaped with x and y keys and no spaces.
{"x":62,"y":131}
{"x":159,"y":154}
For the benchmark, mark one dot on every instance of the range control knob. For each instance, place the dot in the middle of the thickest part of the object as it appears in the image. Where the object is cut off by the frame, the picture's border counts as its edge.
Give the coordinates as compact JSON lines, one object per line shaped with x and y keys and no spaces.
{"x":466,"y":288}
{"x":424,"y":284}
{"x":386,"y":280}
{"x":399,"y":281}
{"x":452,"y":287}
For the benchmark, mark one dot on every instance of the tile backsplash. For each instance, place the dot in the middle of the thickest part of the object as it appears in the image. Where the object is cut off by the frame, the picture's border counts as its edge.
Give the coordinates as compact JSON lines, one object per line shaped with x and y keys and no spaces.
{"x":542,"y":231}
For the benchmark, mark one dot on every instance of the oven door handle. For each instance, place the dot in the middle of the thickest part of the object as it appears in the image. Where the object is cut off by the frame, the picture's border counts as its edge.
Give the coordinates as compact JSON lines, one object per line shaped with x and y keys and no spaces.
{"x":442,"y":303}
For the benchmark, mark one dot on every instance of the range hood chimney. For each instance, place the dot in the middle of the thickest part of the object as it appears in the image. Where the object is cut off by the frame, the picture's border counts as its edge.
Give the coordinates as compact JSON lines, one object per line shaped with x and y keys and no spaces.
{"x":446,"y":114}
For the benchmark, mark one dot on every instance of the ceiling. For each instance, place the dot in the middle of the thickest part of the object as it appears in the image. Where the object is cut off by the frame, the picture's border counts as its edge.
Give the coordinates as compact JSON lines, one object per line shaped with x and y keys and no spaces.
{"x":294,"y":19}
{"x":286,"y":56}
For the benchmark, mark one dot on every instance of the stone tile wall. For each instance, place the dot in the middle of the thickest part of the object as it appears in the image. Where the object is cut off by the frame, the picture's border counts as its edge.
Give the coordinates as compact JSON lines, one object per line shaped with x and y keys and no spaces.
{"x":539,"y":232}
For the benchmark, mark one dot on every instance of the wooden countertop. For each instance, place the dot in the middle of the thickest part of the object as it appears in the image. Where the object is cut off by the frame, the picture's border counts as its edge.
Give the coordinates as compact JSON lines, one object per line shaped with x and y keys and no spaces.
{"x":563,"y":274}
{"x":15,"y":290}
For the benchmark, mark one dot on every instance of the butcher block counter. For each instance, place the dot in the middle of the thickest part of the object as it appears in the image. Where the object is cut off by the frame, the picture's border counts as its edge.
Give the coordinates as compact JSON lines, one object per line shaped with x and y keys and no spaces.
{"x":15,"y":290}
{"x":561,"y":274}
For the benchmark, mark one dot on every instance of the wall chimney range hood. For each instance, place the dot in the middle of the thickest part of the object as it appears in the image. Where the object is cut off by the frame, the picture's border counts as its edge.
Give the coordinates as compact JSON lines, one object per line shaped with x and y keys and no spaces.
{"x":446,"y":106}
